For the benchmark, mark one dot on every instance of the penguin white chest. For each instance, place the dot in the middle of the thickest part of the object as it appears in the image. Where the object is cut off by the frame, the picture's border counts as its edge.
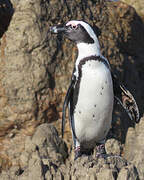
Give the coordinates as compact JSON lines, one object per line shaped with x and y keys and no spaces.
{"x":93,"y":111}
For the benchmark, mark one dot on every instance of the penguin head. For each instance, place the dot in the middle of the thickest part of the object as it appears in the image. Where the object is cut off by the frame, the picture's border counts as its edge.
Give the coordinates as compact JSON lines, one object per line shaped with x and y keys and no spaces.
{"x":77,"y":31}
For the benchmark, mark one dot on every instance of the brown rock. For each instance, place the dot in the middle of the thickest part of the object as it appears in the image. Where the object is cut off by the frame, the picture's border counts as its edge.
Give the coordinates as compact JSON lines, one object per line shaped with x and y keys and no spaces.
{"x":43,"y":158}
{"x":46,"y":143}
{"x":134,"y":150}
{"x":138,"y":5}
{"x":113,"y":147}
{"x":128,"y":173}
{"x":106,"y":174}
{"x":36,"y":67}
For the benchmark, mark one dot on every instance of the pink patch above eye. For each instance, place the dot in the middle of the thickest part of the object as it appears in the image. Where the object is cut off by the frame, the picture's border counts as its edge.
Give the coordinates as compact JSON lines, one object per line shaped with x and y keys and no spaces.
{"x":72,"y":23}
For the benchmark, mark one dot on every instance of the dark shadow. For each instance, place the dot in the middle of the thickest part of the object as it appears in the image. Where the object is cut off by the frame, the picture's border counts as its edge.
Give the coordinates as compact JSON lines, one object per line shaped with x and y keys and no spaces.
{"x":120,"y":124}
{"x":132,"y":77}
{"x":6,"y":13}
{"x":51,"y":81}
{"x":59,"y":45}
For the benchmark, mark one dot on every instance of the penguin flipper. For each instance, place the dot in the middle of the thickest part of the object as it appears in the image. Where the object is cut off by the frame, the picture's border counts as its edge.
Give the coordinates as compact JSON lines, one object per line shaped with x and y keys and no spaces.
{"x":126,"y":99}
{"x":65,"y":105}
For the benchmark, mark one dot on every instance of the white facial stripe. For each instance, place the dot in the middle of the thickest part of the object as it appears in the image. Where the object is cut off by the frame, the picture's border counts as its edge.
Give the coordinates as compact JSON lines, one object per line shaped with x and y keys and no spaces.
{"x":88,"y":29}
{"x":73,"y":23}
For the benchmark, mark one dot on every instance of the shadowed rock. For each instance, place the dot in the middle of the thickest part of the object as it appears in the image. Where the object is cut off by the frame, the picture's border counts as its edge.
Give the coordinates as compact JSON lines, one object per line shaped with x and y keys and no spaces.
{"x":6,"y":12}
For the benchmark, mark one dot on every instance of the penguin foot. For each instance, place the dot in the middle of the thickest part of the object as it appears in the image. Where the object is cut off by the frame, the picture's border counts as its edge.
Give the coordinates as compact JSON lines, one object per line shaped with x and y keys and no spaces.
{"x":77,"y":153}
{"x":100,"y":151}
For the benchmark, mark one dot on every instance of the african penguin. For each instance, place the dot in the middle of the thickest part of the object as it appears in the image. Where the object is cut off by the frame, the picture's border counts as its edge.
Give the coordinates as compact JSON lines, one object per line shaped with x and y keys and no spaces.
{"x":90,"y":96}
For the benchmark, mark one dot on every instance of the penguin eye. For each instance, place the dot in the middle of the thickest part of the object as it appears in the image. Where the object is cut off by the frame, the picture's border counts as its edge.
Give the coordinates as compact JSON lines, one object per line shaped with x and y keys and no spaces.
{"x":74,"y":27}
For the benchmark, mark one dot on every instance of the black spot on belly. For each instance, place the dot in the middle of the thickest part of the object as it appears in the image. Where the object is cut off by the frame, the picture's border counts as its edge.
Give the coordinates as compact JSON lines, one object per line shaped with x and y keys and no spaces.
{"x":93,"y":115}
{"x":95,"y":105}
{"x":100,"y":93}
{"x":102,"y":87}
{"x":79,"y":112}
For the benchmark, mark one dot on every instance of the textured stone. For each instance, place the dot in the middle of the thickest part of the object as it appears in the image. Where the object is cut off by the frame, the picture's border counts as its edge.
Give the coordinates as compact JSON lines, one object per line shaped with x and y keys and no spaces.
{"x":134,"y":147}
{"x":106,"y":174}
{"x":42,"y":160}
{"x":35,"y":67}
{"x":138,"y":5}
{"x":43,"y":153}
{"x":128,"y":173}
{"x":112,"y":146}
{"x":47,"y":144}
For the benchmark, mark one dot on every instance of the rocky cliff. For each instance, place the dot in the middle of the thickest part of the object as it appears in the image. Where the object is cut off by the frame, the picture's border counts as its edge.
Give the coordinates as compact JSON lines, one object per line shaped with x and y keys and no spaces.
{"x":35,"y":72}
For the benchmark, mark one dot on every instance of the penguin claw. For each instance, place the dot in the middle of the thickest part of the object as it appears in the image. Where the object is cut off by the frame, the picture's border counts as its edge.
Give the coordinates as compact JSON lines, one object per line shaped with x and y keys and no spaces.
{"x":100,"y":151}
{"x":77,"y":155}
{"x":104,"y":156}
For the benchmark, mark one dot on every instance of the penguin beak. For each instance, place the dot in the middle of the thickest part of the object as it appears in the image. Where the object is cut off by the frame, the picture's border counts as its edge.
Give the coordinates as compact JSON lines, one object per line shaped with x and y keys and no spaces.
{"x":57,"y":29}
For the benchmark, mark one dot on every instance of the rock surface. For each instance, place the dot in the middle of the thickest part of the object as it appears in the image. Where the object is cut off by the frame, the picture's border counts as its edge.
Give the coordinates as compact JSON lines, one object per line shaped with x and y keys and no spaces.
{"x":134,"y":147}
{"x":138,"y":5}
{"x":44,"y":158}
{"x":35,"y":70}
